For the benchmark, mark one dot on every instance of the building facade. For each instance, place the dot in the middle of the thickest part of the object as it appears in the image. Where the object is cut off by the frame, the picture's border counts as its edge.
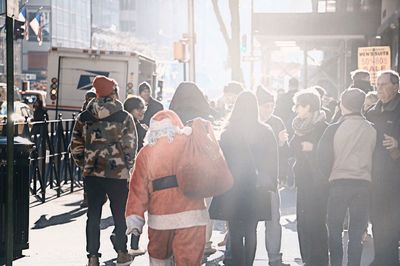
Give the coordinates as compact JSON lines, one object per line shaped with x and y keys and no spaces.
{"x":66,"y":24}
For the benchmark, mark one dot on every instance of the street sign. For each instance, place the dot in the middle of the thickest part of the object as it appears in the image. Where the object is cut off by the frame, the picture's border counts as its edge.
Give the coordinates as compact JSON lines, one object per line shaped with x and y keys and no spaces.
{"x":374,"y":59}
{"x":12,"y":9}
{"x":30,"y":76}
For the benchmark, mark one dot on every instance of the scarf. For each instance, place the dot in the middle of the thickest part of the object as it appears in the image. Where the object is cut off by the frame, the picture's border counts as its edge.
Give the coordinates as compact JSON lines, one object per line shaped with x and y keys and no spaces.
{"x":303,"y":126}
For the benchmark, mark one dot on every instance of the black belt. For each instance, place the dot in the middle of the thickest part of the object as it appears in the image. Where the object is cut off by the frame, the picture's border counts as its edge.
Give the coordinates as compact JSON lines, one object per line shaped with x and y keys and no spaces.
{"x":165,"y":182}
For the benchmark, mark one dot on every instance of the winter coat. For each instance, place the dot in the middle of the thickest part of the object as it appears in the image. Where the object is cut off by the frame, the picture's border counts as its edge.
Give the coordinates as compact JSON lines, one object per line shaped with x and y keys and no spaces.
{"x":346,"y":148}
{"x":104,"y":140}
{"x":386,"y":170}
{"x":153,"y":107}
{"x":167,"y":208}
{"x":255,"y":148}
{"x":284,"y":109}
{"x":306,"y":168}
{"x":141,"y":133}
{"x":277,"y":126}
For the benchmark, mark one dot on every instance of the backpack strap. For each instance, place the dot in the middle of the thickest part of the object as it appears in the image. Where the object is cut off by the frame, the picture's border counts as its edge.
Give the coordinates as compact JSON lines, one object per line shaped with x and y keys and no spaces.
{"x":118,"y":117}
{"x":88,"y":118}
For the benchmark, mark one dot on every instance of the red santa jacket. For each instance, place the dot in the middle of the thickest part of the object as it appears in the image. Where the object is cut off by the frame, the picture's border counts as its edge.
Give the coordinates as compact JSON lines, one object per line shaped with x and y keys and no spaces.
{"x":167,"y":208}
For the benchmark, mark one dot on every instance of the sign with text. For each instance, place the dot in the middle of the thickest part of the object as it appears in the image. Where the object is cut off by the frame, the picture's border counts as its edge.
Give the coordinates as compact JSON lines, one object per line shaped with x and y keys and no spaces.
{"x":12,"y":9}
{"x":374,"y":59}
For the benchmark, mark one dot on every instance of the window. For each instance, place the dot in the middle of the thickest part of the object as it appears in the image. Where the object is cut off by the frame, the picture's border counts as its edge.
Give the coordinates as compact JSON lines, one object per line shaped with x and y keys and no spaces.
{"x":127,"y":4}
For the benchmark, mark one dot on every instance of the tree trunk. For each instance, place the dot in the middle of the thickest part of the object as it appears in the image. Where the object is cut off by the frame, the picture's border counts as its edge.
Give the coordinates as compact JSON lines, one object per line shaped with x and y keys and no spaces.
{"x":235,"y":41}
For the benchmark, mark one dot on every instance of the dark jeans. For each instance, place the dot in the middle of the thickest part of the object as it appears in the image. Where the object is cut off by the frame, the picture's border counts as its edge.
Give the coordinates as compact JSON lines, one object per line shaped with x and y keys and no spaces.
{"x":352,"y":195}
{"x":311,"y":224}
{"x":385,"y":217}
{"x":243,"y":238}
{"x":117,"y":192}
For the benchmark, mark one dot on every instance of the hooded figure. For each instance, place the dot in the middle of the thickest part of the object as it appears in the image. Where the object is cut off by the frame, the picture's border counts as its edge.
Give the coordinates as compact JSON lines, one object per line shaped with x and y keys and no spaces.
{"x":189,"y":102}
{"x":177,"y":224}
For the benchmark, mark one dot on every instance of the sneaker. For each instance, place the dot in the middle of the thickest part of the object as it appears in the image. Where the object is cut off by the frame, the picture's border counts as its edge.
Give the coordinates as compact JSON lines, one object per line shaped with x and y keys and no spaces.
{"x":124,"y":259}
{"x":278,"y":263}
{"x":209,"y":251}
{"x":93,"y":261}
{"x":136,"y":252}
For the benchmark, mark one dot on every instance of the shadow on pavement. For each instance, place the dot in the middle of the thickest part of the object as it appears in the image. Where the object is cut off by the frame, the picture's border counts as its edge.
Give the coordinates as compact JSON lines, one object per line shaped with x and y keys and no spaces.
{"x":64,"y":218}
{"x":107,"y":222}
{"x":72,"y":204}
{"x":290,"y":225}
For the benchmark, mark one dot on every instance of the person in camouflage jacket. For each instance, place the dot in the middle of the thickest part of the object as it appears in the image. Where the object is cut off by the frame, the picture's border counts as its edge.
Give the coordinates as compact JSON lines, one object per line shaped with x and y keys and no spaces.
{"x":104,"y":144}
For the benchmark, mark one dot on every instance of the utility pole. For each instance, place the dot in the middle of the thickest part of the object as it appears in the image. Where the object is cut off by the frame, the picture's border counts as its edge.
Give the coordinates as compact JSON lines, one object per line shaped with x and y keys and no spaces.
{"x":9,"y":248}
{"x":192,"y":41}
{"x":252,"y":47}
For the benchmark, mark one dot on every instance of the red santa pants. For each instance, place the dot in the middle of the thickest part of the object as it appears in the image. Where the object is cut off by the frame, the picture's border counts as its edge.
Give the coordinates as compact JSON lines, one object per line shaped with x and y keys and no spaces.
{"x":186,"y":245}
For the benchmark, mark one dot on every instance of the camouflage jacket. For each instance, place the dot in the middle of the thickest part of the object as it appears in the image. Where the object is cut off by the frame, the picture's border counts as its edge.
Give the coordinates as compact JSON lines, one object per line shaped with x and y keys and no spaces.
{"x":104,"y":140}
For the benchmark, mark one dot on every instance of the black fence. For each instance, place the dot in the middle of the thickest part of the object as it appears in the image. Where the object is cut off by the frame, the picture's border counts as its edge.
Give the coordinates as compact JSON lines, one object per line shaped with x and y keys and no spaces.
{"x":51,"y":165}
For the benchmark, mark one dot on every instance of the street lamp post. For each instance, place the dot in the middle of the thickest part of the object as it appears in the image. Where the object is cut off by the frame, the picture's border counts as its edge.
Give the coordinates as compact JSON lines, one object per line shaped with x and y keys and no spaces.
{"x":9,"y":245}
{"x":192,"y":40}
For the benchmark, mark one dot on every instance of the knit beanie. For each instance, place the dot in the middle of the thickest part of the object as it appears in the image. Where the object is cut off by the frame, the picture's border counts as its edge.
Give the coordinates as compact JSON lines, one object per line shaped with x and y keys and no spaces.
{"x":264,"y":96}
{"x":104,"y":86}
{"x":353,"y":99}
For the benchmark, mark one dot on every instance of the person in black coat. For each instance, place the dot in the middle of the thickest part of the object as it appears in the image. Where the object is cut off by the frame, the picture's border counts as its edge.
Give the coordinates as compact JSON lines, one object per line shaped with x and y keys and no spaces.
{"x":152,"y":106}
{"x":251,"y":152}
{"x":273,"y":228}
{"x":308,"y":126}
{"x":136,"y":107}
{"x":39,"y":114}
{"x":385,"y":186}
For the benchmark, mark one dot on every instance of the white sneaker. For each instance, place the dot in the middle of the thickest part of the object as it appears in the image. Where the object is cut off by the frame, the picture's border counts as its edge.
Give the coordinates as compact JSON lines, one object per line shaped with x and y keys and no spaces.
{"x":136,"y":252}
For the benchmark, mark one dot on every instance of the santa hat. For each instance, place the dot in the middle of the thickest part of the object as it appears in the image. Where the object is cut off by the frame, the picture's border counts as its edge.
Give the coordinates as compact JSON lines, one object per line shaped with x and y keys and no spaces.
{"x":165,"y":123}
{"x":104,"y":86}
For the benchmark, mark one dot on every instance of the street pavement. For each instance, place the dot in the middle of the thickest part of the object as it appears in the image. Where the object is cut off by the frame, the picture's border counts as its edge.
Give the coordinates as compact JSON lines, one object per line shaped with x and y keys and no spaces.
{"x":57,"y":235}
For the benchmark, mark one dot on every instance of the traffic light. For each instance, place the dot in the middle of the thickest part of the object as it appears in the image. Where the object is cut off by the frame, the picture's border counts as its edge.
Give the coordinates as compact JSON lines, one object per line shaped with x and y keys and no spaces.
{"x":54,"y":89}
{"x":180,"y":51}
{"x":243,"y":45}
{"x":19,"y":30}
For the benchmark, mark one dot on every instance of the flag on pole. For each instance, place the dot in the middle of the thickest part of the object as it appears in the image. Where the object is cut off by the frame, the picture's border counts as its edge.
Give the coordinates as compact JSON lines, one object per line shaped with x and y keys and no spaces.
{"x":23,"y":18}
{"x":37,"y":25}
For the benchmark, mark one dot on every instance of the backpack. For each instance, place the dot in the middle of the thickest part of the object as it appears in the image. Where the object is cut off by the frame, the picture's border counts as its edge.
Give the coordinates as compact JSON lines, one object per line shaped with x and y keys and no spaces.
{"x":100,"y":140}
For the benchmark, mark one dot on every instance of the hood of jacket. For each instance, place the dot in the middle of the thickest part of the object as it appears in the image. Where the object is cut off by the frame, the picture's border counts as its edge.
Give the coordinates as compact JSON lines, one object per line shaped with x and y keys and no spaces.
{"x":104,"y":107}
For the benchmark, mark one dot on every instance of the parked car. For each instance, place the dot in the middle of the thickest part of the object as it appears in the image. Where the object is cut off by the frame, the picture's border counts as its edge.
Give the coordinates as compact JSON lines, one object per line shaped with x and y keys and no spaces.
{"x":21,"y":110}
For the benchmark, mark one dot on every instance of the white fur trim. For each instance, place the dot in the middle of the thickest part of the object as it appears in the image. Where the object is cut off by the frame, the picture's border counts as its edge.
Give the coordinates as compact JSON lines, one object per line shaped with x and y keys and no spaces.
{"x":186,"y":131}
{"x":134,"y":223}
{"x":179,"y":220}
{"x":158,"y":262}
{"x":159,"y":129}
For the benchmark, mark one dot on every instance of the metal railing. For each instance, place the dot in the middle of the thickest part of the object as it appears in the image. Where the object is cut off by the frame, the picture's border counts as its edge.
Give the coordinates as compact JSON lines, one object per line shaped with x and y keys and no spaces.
{"x":51,"y":165}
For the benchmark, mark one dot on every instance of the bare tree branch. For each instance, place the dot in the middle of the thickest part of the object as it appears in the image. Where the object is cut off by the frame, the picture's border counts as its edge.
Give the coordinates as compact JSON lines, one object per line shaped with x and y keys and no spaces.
{"x":221,"y":22}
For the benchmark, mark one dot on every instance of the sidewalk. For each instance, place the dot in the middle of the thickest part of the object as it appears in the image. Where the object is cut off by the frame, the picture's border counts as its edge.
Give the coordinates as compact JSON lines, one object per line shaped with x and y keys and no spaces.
{"x":57,"y":235}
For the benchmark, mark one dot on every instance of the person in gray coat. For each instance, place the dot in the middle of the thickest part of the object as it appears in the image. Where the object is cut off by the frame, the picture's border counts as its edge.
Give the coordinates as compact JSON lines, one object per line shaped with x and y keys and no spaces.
{"x":345,"y":152}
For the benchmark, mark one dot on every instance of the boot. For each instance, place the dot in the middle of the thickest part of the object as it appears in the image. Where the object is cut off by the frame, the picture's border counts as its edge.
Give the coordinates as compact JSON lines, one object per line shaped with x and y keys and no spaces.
{"x":93,"y":261}
{"x":124,"y":259}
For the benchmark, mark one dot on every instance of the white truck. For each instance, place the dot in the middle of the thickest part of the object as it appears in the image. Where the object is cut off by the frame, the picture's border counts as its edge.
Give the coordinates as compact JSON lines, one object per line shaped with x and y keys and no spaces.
{"x":71,"y":72}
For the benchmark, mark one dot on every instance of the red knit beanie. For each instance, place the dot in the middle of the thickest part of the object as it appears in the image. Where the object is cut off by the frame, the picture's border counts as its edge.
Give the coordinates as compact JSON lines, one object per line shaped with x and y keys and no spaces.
{"x":104,"y":86}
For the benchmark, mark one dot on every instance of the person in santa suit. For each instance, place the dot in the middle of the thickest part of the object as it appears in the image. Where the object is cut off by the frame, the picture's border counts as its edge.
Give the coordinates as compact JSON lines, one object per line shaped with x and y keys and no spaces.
{"x":177,"y":224}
